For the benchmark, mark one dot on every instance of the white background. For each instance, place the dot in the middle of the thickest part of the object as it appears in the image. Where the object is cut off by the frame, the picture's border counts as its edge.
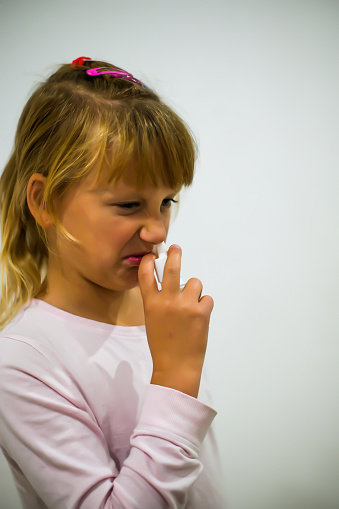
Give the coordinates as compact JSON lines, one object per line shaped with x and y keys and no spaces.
{"x":258,"y":83}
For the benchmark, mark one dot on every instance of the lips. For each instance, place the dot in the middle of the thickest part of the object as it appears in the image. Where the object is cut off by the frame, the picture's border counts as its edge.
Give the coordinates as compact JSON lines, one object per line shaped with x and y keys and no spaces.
{"x":135,"y":259}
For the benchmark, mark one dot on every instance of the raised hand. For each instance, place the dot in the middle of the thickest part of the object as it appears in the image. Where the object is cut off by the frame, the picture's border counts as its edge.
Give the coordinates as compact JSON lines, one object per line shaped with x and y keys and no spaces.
{"x":177,"y":324}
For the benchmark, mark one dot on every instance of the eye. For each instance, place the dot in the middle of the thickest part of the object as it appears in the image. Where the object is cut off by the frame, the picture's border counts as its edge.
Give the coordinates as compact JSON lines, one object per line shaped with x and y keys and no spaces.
{"x":167,"y":202}
{"x":134,"y":206}
{"x":128,"y":205}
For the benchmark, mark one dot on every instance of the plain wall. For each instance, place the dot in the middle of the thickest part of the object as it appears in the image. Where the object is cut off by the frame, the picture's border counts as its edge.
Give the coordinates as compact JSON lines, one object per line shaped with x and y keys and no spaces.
{"x":258,"y":83}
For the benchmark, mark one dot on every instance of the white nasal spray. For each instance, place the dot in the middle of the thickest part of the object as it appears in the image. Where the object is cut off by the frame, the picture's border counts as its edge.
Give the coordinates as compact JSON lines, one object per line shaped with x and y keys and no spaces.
{"x":161,"y":250}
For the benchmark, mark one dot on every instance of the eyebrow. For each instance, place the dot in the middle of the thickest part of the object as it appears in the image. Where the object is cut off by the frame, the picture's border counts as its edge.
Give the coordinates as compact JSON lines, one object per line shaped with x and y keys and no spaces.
{"x":100,"y":191}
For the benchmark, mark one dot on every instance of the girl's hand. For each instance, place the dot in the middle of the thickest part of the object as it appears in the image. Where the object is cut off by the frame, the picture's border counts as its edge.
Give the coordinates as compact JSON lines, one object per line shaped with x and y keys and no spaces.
{"x":177,"y":324}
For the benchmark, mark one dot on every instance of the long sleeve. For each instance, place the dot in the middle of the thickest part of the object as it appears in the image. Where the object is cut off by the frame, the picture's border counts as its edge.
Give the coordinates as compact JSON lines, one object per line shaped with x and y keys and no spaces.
{"x":61,"y":457}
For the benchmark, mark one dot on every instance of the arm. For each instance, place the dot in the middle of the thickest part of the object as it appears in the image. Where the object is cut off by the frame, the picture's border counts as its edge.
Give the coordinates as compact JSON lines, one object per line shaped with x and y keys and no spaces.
{"x":48,"y":431}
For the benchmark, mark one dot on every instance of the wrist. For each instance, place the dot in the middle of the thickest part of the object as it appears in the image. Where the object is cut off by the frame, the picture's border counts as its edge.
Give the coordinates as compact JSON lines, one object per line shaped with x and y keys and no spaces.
{"x":186,"y":381}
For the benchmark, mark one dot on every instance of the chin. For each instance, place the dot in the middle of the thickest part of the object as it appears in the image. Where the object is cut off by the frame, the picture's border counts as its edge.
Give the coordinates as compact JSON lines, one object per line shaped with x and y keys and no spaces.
{"x":127,"y":284}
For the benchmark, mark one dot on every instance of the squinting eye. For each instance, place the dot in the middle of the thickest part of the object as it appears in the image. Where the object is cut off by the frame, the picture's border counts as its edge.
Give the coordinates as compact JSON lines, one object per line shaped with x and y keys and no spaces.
{"x":127,"y":206}
{"x":168,"y":202}
{"x":133,"y":206}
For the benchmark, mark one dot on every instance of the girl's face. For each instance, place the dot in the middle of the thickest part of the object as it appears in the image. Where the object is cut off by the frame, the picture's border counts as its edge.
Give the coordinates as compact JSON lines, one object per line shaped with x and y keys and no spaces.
{"x":112,"y":224}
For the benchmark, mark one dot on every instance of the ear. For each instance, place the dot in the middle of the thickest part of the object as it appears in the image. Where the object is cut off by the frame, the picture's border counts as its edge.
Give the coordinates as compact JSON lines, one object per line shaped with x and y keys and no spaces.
{"x":35,"y":202}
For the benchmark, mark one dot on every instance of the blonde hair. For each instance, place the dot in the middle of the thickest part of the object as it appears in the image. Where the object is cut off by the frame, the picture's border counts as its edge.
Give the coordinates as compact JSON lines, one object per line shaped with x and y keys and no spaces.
{"x":71,"y":122}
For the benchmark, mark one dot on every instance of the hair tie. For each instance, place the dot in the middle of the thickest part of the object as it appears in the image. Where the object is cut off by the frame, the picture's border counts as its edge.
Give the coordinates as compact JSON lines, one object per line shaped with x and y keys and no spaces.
{"x":79,"y":62}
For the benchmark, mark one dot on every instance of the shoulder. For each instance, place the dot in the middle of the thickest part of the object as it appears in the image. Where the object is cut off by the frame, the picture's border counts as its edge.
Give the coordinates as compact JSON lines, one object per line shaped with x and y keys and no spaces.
{"x":48,"y":329}
{"x":19,"y":336}
{"x":31,"y":372}
{"x":28,"y":321}
{"x":28,"y":344}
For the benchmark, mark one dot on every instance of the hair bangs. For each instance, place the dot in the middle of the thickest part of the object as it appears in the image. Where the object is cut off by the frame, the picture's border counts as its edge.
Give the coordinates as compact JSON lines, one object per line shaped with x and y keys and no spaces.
{"x":151,"y":134}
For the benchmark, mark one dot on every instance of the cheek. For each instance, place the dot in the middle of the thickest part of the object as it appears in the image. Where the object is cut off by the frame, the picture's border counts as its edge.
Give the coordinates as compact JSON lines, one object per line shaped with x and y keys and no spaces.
{"x":108,"y":236}
{"x":88,"y":224}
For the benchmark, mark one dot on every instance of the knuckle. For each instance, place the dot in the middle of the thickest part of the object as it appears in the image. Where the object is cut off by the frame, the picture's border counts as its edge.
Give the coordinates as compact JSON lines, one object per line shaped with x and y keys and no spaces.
{"x":151,"y":307}
{"x":195,"y":283}
{"x":169,"y":307}
{"x":171,"y":272}
{"x":192,"y":310}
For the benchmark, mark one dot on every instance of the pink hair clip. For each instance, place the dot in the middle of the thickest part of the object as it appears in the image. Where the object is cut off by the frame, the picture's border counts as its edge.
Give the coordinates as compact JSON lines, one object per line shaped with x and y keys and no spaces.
{"x":114,"y":72}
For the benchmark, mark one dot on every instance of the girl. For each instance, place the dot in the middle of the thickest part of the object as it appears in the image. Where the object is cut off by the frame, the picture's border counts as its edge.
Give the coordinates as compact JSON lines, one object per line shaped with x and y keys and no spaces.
{"x":99,"y":368}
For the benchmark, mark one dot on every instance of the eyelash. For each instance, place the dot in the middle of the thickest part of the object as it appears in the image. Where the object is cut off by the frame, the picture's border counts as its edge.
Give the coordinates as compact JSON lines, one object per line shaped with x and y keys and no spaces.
{"x":131,"y":205}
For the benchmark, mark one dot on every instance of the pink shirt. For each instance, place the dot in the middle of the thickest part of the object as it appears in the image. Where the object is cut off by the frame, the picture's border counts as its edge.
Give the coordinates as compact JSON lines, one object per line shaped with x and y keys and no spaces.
{"x":82,"y":427}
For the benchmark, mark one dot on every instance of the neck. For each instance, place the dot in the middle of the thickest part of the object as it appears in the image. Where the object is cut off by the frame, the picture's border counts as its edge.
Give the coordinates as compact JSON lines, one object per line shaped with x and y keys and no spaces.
{"x":117,"y":308}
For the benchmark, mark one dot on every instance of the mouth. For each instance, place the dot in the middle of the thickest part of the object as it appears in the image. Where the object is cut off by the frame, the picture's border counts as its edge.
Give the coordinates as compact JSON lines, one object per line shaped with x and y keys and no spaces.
{"x":135,"y":259}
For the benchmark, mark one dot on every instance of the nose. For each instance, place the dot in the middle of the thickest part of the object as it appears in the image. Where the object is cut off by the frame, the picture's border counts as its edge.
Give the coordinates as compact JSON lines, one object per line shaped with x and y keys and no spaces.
{"x":154,"y":230}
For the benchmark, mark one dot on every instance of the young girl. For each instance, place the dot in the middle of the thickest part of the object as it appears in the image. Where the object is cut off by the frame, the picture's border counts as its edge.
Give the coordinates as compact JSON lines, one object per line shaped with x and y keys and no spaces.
{"x":99,"y":368}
